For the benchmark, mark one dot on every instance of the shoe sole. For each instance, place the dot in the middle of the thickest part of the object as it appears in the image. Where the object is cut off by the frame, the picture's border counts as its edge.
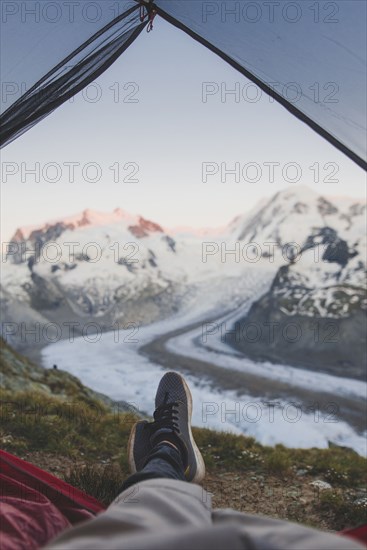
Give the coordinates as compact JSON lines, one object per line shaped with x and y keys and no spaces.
{"x":200,"y":465}
{"x":130,"y":449}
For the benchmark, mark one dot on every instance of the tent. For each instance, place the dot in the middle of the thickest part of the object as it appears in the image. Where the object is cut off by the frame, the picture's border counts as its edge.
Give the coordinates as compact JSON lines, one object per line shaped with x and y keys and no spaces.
{"x":35,"y":506}
{"x":308,"y":56}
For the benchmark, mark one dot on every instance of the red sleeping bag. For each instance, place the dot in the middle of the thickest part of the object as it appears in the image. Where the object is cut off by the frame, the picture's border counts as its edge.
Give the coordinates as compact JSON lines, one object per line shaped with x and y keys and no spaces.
{"x":357,"y":533}
{"x":35,"y":506}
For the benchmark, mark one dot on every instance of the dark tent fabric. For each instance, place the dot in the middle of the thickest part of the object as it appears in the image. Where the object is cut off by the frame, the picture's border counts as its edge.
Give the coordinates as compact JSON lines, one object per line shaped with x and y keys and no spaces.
{"x":62,"y":71}
{"x":309,"y":56}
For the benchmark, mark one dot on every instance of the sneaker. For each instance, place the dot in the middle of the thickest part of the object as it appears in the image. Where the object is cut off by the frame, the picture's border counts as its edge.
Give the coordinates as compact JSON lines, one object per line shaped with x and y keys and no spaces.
{"x":139,"y":446}
{"x":172,"y":423}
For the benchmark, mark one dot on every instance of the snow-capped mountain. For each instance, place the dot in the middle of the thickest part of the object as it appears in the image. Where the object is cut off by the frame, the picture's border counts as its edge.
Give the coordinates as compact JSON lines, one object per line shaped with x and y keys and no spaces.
{"x":110,"y":268}
{"x":319,"y":293}
{"x":294,"y":211}
{"x":322,"y":241}
{"x":113,"y":269}
{"x":117,"y":268}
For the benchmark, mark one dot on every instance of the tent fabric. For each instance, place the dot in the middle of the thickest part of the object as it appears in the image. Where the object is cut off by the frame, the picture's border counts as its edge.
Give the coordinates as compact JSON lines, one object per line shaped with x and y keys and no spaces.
{"x":309,"y":56}
{"x":358,"y":533}
{"x":35,"y":506}
{"x":69,"y":75}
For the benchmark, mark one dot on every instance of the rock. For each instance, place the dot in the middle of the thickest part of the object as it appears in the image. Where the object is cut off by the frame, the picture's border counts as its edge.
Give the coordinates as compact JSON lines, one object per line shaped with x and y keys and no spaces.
{"x":321,"y":485}
{"x":278,"y":308}
{"x":360,"y":502}
{"x":18,"y":374}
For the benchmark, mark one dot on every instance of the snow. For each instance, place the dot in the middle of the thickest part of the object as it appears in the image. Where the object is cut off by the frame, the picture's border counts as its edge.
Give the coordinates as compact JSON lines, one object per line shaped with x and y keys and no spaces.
{"x":190,"y":344}
{"x":14,"y":280}
{"x":271,"y":225}
{"x":279,"y":218}
{"x":220,"y":286}
{"x":113,"y":365}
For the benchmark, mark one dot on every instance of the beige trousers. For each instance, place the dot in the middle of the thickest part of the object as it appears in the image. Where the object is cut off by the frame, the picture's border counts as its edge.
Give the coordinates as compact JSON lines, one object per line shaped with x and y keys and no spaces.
{"x":165,"y":514}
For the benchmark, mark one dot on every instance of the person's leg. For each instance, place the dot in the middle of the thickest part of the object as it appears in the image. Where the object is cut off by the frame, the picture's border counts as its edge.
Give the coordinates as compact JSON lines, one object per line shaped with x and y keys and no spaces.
{"x":164,"y":460}
{"x":161,"y":513}
{"x":146,"y":515}
{"x":166,"y":514}
{"x":157,"y":497}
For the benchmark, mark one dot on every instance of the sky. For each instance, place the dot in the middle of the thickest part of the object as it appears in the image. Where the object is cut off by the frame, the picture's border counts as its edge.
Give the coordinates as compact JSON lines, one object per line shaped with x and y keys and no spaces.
{"x":143,"y":138}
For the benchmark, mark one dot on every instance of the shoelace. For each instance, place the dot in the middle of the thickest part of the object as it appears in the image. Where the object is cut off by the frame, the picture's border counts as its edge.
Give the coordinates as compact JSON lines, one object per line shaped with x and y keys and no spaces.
{"x":165,"y":416}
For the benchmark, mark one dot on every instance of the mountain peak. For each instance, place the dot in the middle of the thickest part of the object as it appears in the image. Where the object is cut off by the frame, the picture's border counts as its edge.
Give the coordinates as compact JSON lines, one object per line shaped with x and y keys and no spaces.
{"x":144,"y":227}
{"x":85,"y":218}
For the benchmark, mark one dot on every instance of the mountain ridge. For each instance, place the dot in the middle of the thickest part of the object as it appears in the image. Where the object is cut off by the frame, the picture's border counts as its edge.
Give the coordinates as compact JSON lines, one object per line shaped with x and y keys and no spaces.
{"x":126,"y":269}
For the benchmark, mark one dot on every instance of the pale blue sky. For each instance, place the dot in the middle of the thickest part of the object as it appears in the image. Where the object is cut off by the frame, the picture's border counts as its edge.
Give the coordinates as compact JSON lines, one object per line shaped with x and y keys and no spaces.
{"x":168,"y":133}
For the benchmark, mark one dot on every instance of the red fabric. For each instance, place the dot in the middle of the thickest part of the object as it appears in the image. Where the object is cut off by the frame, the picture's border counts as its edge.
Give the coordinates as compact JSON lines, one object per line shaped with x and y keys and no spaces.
{"x":35,"y":506}
{"x":357,"y":533}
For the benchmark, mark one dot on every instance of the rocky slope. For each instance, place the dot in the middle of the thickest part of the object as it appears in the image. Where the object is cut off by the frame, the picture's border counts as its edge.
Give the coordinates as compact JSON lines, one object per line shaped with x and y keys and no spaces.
{"x":19,"y":374}
{"x":314,"y":314}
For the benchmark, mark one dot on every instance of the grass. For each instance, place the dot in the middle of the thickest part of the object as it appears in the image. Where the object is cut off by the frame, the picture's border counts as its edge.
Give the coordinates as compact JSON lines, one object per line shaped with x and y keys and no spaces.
{"x":103,"y":482}
{"x":341,"y":511}
{"x":339,"y":466}
{"x":49,"y":418}
{"x":88,"y":443}
{"x":73,"y":428}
